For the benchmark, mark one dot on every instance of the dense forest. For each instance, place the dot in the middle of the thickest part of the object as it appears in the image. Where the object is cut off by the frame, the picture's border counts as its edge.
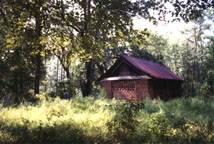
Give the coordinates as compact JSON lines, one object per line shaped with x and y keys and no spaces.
{"x":50,"y":49}
{"x":80,"y":40}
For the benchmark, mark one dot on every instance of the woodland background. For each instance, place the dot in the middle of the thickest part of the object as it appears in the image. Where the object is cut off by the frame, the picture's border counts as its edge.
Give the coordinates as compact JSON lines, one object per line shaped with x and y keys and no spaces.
{"x":86,"y":37}
{"x":52,"y":47}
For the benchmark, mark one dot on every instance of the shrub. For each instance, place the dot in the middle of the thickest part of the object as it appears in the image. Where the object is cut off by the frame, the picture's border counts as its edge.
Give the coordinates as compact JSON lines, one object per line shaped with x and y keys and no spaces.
{"x":123,"y":126}
{"x":152,"y":106}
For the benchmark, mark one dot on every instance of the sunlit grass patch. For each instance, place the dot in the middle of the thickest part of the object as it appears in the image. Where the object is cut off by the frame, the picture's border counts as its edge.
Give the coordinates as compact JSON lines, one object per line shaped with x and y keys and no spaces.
{"x":89,"y":115}
{"x":54,"y":120}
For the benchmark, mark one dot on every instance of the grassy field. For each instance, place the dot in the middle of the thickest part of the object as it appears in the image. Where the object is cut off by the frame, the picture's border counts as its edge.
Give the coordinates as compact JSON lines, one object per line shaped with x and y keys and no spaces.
{"x":91,"y":120}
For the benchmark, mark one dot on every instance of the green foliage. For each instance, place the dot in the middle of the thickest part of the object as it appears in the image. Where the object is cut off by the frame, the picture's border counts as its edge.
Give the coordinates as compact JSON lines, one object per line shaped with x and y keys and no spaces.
{"x":152,"y":106}
{"x":197,"y":109}
{"x":155,"y":128}
{"x":204,"y":90}
{"x":90,"y":120}
{"x":192,"y":58}
{"x":55,"y":121}
{"x":20,"y":48}
{"x":123,"y":126}
{"x":64,"y":87}
{"x":103,"y":94}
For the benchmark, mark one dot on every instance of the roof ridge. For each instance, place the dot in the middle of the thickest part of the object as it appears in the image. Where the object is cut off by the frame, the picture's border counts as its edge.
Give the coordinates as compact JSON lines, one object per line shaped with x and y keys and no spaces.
{"x":142,"y":59}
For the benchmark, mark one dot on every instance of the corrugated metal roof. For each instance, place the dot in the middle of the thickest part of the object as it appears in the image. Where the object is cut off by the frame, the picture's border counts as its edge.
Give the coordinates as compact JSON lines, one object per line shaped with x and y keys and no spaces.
{"x":152,"y":69}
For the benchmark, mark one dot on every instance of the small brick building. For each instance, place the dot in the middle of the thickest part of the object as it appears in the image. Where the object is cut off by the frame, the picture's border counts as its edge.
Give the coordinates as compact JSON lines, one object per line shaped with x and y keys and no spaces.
{"x":133,"y":78}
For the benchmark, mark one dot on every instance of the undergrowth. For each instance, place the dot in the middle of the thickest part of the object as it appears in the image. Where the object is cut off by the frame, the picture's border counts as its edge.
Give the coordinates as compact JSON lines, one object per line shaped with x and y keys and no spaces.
{"x":99,"y":120}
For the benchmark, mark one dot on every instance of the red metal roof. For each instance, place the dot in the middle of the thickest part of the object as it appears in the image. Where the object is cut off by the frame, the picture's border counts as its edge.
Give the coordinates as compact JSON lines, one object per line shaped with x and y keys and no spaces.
{"x":125,"y":78}
{"x":152,"y":69}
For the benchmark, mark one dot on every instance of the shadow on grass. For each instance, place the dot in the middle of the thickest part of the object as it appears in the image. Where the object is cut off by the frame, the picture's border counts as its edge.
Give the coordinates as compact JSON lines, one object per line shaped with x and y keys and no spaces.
{"x":64,"y":134}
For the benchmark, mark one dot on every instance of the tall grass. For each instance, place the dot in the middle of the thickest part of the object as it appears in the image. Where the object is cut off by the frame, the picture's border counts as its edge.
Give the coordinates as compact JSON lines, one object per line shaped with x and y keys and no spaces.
{"x":100,"y":120}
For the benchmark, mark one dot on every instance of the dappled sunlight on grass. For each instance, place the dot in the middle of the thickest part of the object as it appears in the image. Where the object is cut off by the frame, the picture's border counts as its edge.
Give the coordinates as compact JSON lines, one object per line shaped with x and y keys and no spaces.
{"x":85,"y":121}
{"x":88,"y":114}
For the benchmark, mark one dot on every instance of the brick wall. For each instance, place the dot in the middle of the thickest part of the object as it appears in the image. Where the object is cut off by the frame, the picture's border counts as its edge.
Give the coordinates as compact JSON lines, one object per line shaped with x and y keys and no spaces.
{"x":142,"y":89}
{"x":151,"y":92}
{"x":126,"y":90}
{"x":107,"y":88}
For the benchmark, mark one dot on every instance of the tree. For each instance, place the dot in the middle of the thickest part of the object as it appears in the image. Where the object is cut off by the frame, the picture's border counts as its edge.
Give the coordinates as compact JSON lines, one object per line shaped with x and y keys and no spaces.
{"x":16,"y":68}
{"x":191,"y":57}
{"x":177,"y":9}
{"x":209,"y":64}
{"x":83,"y":29}
{"x":24,"y":21}
{"x":72,"y":29}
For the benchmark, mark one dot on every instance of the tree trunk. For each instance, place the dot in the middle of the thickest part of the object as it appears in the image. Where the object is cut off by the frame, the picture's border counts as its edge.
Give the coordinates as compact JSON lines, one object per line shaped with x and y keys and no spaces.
{"x":38,"y":73}
{"x":66,"y":69}
{"x":87,"y":86}
{"x":38,"y":60}
{"x":67,"y":73}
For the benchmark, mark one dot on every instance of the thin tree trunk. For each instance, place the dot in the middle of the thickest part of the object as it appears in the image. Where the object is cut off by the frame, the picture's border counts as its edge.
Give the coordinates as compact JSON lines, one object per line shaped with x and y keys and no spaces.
{"x":45,"y":68}
{"x":38,"y":73}
{"x":57,"y":70}
{"x":57,"y":73}
{"x":67,"y":71}
{"x":61,"y":77}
